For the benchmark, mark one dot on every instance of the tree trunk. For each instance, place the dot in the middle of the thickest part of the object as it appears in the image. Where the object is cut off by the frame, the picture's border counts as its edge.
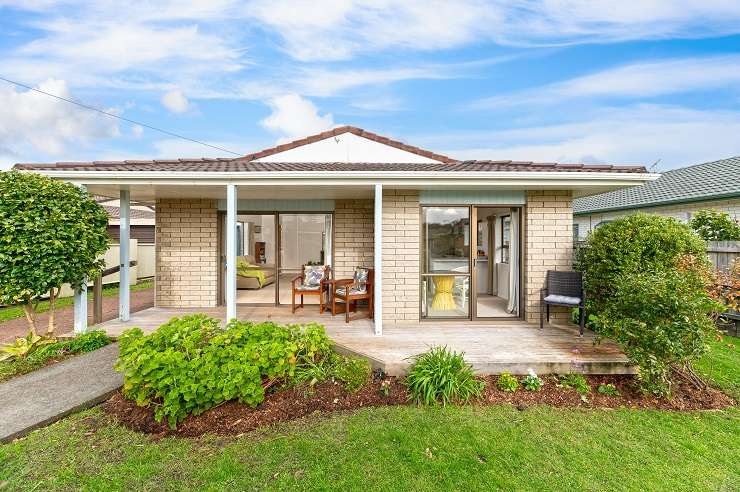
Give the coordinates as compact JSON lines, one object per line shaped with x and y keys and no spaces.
{"x":30,"y":313}
{"x":52,"y":304}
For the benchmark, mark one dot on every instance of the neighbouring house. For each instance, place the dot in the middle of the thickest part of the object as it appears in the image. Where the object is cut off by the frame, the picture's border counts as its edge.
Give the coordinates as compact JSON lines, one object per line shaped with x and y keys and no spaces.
{"x":448,"y":239}
{"x":678,"y":193}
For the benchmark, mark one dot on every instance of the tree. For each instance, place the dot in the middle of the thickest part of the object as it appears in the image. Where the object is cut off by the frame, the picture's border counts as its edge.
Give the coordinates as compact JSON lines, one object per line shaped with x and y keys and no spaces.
{"x":51,"y":233}
{"x":713,"y":225}
{"x":647,"y":279}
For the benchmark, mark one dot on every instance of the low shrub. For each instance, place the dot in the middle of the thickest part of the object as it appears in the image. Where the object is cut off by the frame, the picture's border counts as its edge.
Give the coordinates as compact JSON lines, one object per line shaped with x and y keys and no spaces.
{"x":39,"y":354}
{"x":576,"y":382}
{"x":352,"y":372}
{"x":532,"y":382}
{"x":442,"y":375}
{"x":507,"y":382}
{"x":191,"y":364}
{"x":714,"y":225}
{"x":607,"y":389}
{"x":87,"y":342}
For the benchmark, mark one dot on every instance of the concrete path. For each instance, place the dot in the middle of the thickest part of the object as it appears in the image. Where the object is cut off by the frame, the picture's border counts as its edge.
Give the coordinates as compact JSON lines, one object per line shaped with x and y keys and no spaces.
{"x":41,"y":397}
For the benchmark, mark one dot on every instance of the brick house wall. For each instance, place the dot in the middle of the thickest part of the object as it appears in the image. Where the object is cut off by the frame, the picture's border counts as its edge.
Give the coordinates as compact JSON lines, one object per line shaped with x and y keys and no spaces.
{"x":353,"y":236}
{"x":186,"y":253}
{"x":401,"y":256}
{"x":548,"y":244}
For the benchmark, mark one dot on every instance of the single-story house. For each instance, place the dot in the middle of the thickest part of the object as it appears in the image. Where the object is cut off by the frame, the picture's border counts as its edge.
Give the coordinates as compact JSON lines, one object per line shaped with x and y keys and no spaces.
{"x":447,"y":239}
{"x":678,"y":193}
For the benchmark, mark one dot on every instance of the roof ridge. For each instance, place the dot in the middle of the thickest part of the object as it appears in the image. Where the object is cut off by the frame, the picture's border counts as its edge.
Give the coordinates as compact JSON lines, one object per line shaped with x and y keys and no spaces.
{"x":360,"y":132}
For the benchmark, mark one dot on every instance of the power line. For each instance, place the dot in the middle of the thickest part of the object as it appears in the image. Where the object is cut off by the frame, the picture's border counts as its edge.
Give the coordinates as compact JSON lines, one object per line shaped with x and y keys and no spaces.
{"x":106,"y":113}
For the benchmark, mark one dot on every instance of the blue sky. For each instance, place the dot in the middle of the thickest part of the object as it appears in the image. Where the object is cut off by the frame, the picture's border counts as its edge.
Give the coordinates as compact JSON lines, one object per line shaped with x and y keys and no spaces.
{"x":633,"y":82}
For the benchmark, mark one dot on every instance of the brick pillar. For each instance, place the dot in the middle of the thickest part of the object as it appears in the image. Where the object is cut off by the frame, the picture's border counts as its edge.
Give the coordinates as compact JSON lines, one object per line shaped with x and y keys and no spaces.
{"x":186,"y":248}
{"x":401,"y":256}
{"x":549,"y":246}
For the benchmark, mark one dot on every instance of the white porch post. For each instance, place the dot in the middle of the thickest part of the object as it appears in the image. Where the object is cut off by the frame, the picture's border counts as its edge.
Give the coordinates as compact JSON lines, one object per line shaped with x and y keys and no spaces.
{"x":230,"y":252}
{"x":124,"y":236}
{"x":378,"y":261}
{"x":80,"y":303}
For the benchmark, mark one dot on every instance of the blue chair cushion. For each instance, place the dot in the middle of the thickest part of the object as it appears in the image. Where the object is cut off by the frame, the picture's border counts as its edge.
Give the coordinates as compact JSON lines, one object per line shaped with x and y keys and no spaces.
{"x":312,"y":275}
{"x":352,"y":291}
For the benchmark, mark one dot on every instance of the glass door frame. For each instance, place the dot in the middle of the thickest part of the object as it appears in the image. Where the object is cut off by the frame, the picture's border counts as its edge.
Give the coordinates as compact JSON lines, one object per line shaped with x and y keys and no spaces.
{"x":277,"y":239}
{"x":472,"y":256}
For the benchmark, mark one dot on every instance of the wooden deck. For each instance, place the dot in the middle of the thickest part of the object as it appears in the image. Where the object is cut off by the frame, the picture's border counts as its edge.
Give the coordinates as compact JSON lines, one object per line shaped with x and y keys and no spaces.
{"x":491,"y":348}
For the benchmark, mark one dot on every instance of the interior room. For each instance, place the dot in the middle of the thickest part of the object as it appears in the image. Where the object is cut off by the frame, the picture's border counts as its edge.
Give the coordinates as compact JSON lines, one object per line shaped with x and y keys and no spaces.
{"x":493,"y":263}
{"x":270,"y":257}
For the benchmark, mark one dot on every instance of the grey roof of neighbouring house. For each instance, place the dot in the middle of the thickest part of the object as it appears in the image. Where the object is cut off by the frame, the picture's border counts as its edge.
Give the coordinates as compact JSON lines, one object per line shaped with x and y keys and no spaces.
{"x":701,"y":182}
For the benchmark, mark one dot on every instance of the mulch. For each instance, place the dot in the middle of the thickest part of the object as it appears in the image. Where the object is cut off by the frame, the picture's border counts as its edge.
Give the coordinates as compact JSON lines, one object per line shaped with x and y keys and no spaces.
{"x":14,"y":328}
{"x":233,"y":418}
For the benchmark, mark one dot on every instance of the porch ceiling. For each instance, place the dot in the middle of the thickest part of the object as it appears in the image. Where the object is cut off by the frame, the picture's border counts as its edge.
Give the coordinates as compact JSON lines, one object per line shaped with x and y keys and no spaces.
{"x":148,"y":193}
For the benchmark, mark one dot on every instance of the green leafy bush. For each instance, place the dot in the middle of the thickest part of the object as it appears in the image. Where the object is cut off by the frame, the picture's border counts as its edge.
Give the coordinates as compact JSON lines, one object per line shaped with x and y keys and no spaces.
{"x":607,"y":389}
{"x":532,"y":382}
{"x":441,"y":375}
{"x":191,"y":364}
{"x":576,"y":382}
{"x":646,"y":279}
{"x":713,"y":225}
{"x":87,"y":342}
{"x":507,"y":382}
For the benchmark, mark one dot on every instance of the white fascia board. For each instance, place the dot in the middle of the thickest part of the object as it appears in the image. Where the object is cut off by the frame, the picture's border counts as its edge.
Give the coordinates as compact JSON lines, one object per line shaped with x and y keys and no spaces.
{"x":391,"y":178}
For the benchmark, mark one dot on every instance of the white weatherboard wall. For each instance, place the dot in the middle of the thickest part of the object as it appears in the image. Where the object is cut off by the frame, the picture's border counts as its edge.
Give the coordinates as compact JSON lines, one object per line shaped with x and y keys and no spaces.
{"x":680,"y":211}
{"x":346,"y":147}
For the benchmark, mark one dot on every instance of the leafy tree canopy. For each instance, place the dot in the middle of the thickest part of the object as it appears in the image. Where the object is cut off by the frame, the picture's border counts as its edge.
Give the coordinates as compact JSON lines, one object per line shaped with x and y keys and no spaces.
{"x":51,"y":233}
{"x":713,"y":225}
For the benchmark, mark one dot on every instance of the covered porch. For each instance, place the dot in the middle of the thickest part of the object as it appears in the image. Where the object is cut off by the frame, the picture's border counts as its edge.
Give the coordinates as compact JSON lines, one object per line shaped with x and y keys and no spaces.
{"x":491,"y":348}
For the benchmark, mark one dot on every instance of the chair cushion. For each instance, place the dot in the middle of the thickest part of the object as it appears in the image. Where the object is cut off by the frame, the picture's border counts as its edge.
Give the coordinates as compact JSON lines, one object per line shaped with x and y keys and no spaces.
{"x":571,"y":301}
{"x":352,"y":291}
{"x":307,"y":287}
{"x":312,"y":274}
{"x":361,"y":275}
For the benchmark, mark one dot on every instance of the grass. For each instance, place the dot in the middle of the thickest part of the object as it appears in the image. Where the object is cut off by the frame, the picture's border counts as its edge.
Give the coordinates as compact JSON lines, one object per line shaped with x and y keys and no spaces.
{"x":12,"y":312}
{"x":87,"y":342}
{"x":395,"y":448}
{"x":721,"y":365}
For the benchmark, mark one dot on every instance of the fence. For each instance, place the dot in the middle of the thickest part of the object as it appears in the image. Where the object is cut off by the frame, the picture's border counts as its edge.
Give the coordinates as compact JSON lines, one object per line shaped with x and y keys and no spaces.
{"x":722,"y":254}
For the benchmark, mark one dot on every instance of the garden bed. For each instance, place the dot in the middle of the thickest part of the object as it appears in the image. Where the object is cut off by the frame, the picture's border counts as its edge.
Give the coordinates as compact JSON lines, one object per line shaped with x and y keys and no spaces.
{"x":233,"y":418}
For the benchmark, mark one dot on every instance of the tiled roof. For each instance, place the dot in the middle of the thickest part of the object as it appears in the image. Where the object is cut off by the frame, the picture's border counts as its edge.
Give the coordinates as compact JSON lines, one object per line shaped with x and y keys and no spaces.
{"x":347,"y":129}
{"x":247,"y":166}
{"x":115,"y":213}
{"x":708,"y":181}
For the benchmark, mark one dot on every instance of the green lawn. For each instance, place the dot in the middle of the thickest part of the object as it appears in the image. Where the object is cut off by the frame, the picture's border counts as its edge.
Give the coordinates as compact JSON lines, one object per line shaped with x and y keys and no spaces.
{"x":403,"y":448}
{"x":13,"y":312}
{"x":722,"y":365}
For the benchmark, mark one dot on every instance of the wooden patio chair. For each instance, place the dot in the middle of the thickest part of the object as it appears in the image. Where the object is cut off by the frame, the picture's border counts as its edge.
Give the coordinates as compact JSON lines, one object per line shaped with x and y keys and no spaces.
{"x":352,"y":290}
{"x":311,"y":282}
{"x":563,"y":289}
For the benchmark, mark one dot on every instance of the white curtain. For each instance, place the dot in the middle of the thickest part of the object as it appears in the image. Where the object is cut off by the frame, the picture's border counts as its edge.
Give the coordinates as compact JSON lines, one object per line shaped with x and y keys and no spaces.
{"x":513,"y":306}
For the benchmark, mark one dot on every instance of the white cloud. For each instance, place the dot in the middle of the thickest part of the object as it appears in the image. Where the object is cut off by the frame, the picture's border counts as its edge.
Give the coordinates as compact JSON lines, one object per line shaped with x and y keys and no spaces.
{"x":636,"y":80}
{"x":33,"y":123}
{"x":339,"y":29}
{"x":137,"y":131}
{"x":293,"y":117}
{"x":175,"y":101}
{"x":640,"y":134}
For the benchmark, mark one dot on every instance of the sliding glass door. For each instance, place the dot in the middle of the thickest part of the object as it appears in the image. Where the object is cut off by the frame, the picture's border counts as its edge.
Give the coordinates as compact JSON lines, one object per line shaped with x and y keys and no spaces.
{"x":305,"y":238}
{"x":470,"y":262}
{"x":445,"y":258}
{"x":256,"y":244}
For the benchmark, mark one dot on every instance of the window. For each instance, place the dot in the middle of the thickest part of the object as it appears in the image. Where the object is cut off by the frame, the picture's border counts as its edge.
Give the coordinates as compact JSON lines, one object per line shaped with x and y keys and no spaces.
{"x":576,"y":232}
{"x":505,"y":238}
